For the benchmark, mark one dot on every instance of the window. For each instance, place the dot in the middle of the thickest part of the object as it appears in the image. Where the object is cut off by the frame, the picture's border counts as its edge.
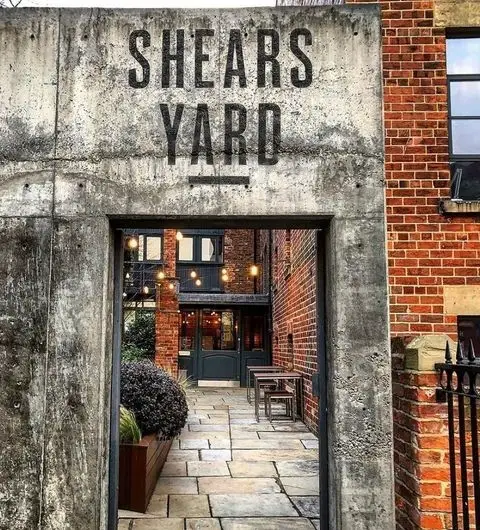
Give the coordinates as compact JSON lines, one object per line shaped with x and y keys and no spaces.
{"x":219,"y":330}
{"x":148,"y":247}
{"x":200,"y":249}
{"x":188,"y":329}
{"x":254,"y":332}
{"x":463,"y":76}
{"x":185,"y":249}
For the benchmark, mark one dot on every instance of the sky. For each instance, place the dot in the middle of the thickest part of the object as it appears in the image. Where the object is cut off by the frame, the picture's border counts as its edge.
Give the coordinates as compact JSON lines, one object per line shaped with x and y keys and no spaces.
{"x":204,"y":4}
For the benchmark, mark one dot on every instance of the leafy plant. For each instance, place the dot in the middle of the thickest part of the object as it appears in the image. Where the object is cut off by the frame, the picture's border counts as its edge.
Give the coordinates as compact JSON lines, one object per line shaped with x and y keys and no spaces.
{"x":156,"y":399}
{"x":129,"y":430}
{"x":140,"y":334}
{"x":133,"y":353}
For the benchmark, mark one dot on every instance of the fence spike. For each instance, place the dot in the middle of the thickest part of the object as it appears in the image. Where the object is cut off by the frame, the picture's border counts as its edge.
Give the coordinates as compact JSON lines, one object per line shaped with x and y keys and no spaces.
{"x":471,"y":351}
{"x":448,"y":355}
{"x":459,"y":358}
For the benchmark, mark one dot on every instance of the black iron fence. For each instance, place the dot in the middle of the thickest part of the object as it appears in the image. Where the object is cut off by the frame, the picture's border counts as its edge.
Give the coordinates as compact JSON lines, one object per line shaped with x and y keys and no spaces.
{"x":460,"y":388}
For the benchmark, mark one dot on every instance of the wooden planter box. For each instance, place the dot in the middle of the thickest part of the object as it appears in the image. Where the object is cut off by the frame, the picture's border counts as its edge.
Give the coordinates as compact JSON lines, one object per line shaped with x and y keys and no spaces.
{"x":140,"y":465}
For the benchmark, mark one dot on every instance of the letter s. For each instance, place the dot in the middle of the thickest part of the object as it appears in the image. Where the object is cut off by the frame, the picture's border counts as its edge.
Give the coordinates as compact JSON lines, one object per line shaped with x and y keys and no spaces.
{"x":132,"y":74}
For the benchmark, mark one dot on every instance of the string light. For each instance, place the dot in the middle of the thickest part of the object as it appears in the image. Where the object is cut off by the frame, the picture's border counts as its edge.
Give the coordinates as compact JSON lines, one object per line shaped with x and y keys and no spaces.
{"x":193,"y":274}
{"x":145,"y":290}
{"x":179,"y":235}
{"x":160,"y":275}
{"x":171,"y":286}
{"x":254,"y":270}
{"x":198,"y":282}
{"x":132,"y":243}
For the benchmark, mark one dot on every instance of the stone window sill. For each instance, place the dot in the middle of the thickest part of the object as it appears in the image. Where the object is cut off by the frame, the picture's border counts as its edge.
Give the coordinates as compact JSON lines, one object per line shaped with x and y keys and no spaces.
{"x":458,"y":207}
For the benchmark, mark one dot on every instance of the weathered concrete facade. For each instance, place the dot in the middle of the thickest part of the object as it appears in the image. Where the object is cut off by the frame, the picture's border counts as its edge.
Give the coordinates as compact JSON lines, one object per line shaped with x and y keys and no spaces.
{"x":81,"y":146}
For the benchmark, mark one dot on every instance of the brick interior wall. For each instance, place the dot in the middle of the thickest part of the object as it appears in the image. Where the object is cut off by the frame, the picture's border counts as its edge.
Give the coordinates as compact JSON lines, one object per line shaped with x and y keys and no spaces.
{"x":238,"y":258}
{"x":294,"y":309}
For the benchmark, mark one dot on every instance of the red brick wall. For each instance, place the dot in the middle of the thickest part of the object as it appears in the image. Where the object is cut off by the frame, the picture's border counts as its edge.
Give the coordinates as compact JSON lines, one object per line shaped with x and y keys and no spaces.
{"x":420,"y":449}
{"x":239,"y":257}
{"x":427,"y":251}
{"x":294,"y":309}
{"x":166,"y":312}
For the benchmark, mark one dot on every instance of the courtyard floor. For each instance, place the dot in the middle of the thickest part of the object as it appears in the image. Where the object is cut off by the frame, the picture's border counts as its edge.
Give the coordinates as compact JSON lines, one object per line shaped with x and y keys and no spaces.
{"x":228,"y":472}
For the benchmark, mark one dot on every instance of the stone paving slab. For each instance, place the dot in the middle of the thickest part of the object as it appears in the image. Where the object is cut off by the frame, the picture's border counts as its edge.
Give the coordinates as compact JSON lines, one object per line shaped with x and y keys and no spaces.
{"x":203,"y":524}
{"x":188,"y":506}
{"x":308,"y":506}
{"x":274,"y":454}
{"x":266,"y":444}
{"x":252,"y":427}
{"x":158,"y":524}
{"x":205,"y":434}
{"x":174,"y":469}
{"x":220,"y":443}
{"x":297,"y":468}
{"x":270,"y":523}
{"x":310,"y":444}
{"x":216,"y":421}
{"x":194,"y":444}
{"x":252,"y":469}
{"x":209,"y":428}
{"x":247,"y":435}
{"x":237,"y":485}
{"x":301,"y":485}
{"x":252,"y":505}
{"x":182,"y":455}
{"x":290,"y":427}
{"x":207,"y":469}
{"x":223,"y":455}
{"x":158,"y":505}
{"x":176,"y":485}
{"x":123,"y":524}
{"x":287,"y":435}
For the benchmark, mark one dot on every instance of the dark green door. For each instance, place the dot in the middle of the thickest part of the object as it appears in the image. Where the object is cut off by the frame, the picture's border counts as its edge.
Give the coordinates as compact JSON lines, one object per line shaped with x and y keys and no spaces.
{"x":218,"y":354}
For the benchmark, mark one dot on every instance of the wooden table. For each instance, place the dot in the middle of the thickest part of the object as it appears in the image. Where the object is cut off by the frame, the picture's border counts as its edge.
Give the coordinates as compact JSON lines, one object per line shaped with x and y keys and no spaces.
{"x":278,"y":376}
{"x":259,"y":369}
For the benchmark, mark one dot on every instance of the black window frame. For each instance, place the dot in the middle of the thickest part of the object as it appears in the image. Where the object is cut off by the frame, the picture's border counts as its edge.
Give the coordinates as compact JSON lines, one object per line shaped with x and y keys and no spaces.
{"x":147,"y":233}
{"x":454,"y":159}
{"x":197,"y":236}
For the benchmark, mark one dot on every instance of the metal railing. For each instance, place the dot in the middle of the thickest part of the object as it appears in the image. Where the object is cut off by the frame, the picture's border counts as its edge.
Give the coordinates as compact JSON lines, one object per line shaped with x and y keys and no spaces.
{"x":460,"y":386}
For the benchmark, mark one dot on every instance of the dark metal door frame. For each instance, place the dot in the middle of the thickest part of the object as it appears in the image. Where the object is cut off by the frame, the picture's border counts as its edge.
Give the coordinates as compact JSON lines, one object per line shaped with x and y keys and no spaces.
{"x":322,"y":379}
{"x":272,"y":222}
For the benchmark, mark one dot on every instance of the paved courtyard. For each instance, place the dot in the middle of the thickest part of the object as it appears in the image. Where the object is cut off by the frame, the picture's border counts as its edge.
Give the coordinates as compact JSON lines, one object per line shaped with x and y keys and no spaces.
{"x":226,"y":471}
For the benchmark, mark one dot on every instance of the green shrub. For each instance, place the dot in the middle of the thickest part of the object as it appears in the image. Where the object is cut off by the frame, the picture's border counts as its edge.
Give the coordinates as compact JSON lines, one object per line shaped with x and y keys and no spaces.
{"x":133,"y":353}
{"x":157,"y":400}
{"x":129,"y":429}
{"x":140,"y":335}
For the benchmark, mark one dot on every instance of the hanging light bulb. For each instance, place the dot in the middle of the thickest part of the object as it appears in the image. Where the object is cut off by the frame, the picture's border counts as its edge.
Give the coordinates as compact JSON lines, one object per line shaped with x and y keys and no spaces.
{"x":160,"y":275}
{"x":179,"y":235}
{"x":127,"y":276}
{"x":225,"y":277}
{"x":145,"y":289}
{"x":224,"y":271}
{"x":171,"y":286}
{"x":124,"y":295}
{"x":193,"y":274}
{"x":254,"y":270}
{"x":132,"y":243}
{"x":198,"y":282}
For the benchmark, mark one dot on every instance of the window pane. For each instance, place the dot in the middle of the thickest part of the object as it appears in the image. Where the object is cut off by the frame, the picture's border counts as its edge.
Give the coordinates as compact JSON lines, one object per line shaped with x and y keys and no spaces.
{"x":466,"y":137}
{"x":185,"y":249}
{"x":465,"y":98}
{"x":463,"y":56}
{"x":187,"y":330}
{"x":153,"y":248}
{"x":219,"y":330}
{"x":208,"y":249}
{"x":253,"y":333}
{"x":465,"y":181}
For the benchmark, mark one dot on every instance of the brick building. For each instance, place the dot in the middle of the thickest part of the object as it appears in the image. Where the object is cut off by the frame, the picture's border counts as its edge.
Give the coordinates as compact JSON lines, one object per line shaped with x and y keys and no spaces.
{"x":431,"y":67}
{"x":210,"y":319}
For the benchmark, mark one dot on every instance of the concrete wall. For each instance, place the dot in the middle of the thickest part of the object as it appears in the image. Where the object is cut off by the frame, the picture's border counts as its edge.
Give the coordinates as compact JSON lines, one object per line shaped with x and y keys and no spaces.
{"x":80,"y":146}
